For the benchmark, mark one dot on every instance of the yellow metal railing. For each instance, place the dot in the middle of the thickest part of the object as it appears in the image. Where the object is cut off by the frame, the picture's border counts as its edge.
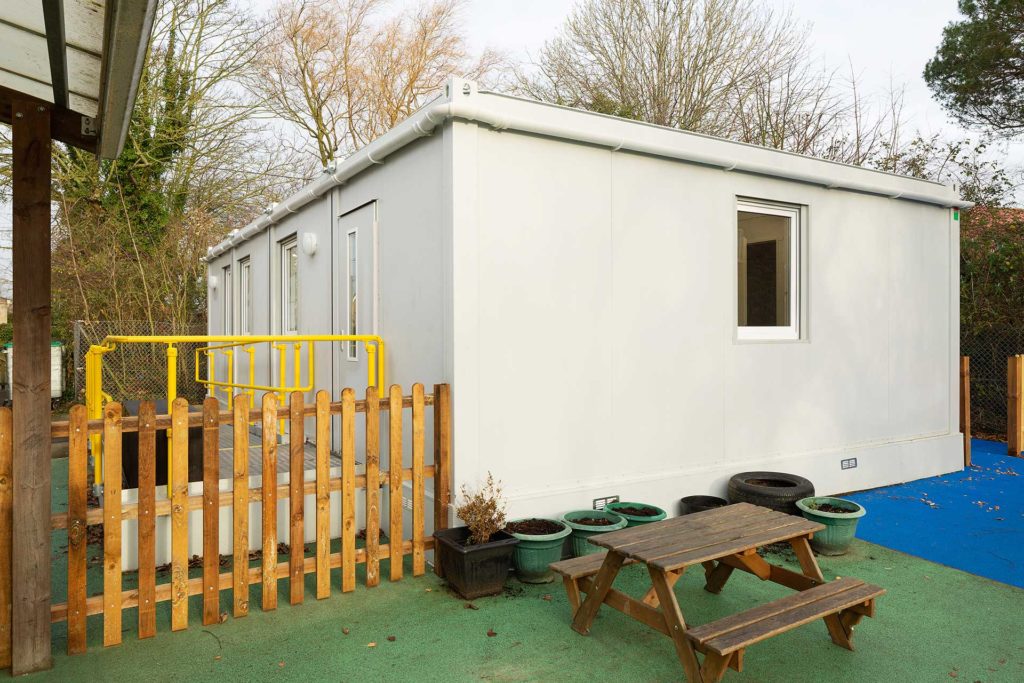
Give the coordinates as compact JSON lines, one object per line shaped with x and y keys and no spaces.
{"x":227,"y":346}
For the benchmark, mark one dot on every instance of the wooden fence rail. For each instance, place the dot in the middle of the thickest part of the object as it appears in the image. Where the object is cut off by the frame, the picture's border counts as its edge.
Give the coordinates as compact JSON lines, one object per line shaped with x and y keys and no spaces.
{"x":115,"y":599}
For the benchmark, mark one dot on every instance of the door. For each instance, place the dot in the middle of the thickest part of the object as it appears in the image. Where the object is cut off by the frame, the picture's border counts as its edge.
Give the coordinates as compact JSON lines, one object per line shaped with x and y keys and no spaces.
{"x":356,"y":293}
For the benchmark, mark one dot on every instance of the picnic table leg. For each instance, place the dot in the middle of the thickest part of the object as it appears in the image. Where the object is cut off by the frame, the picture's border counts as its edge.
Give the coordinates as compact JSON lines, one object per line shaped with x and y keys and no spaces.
{"x":651,"y":596}
{"x":584,"y":616}
{"x":675,"y":623}
{"x":717,"y":577}
{"x":839,"y":633}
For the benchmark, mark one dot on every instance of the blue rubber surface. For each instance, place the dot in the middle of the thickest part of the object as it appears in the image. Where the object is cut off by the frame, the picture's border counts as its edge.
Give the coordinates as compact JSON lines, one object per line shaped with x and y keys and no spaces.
{"x":971,"y":520}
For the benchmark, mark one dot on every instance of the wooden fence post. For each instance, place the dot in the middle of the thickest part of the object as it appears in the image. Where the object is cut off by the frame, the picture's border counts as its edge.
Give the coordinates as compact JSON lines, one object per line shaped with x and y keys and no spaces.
{"x":1014,"y":404}
{"x":442,"y":461}
{"x":965,"y":406}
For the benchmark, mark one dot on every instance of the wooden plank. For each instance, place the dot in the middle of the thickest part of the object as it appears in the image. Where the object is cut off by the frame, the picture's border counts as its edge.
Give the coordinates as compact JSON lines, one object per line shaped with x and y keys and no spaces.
{"x":112,"y":525}
{"x":240,"y":496}
{"x":211,"y":511}
{"x":602,"y":583}
{"x":395,"y":480}
{"x":77,"y":460}
{"x":348,"y":491}
{"x":31,"y":469}
{"x":323,"y":495}
{"x":631,"y":607}
{"x":965,"y":406}
{"x":674,"y":623}
{"x":727,"y":546}
{"x":296,"y":476}
{"x":1013,"y":399}
{"x":269,"y":501}
{"x":147,"y":519}
{"x":442,"y":460}
{"x":418,"y":557}
{"x":179,"y":514}
{"x":129,"y":598}
{"x":372,"y":468}
{"x":78,"y":494}
{"x":754,"y":615}
{"x":698,"y":525}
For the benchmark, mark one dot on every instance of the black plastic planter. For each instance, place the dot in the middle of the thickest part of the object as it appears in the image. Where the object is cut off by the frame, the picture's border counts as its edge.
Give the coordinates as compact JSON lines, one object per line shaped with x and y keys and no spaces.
{"x":691,"y":504}
{"x":475,"y":570}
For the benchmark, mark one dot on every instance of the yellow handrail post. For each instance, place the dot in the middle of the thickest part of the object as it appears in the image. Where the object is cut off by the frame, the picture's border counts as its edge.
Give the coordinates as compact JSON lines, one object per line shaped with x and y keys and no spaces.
{"x":172,"y":393}
{"x":231,"y":375}
{"x":371,"y":364}
{"x":94,"y":405}
{"x":252,"y":374}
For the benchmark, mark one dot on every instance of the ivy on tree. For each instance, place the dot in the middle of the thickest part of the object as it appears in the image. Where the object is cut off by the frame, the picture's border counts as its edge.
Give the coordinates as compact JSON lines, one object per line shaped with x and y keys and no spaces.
{"x":977,"y":73}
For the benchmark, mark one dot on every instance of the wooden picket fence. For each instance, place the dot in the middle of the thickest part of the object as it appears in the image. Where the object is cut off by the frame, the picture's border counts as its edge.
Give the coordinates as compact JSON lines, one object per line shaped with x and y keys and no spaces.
{"x":114,"y":599}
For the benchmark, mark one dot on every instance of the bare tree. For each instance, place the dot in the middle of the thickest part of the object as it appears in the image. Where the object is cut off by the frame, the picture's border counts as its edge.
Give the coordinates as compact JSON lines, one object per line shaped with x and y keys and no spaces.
{"x":343,"y":75}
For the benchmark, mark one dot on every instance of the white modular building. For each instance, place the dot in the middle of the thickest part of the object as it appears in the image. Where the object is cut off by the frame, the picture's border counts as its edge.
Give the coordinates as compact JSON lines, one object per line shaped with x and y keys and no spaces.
{"x":621,"y":308}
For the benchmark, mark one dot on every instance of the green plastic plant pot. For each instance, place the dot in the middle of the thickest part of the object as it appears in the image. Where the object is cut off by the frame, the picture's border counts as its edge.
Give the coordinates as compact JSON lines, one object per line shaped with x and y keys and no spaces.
{"x":636,"y":520}
{"x":840,"y":527}
{"x":581,"y":533}
{"x":536,"y":551}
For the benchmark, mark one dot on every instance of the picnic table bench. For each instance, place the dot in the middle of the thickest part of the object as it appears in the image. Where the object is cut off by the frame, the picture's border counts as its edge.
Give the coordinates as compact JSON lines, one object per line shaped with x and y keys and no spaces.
{"x":721,"y":540}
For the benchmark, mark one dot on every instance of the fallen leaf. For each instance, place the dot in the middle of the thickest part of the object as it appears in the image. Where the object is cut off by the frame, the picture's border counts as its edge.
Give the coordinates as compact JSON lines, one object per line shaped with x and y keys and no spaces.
{"x":217,"y":658}
{"x":547,"y":596}
{"x":427,"y":590}
{"x":470,"y":605}
{"x":280,"y":665}
{"x":223,"y":617}
{"x":371,"y":645}
{"x":391,"y":639}
{"x":491,"y":633}
{"x":345,"y":630}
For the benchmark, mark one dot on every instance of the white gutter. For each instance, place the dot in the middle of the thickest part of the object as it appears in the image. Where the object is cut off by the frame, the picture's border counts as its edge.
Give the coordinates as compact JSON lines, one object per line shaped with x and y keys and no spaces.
{"x":463,"y":102}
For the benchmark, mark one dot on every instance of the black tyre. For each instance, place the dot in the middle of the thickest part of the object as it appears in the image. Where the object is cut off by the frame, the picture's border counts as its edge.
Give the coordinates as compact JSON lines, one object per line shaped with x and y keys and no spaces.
{"x":776,"y":490}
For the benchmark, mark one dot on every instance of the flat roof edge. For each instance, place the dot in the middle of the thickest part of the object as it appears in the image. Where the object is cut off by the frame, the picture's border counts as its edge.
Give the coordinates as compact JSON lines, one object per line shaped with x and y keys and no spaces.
{"x":502,"y":112}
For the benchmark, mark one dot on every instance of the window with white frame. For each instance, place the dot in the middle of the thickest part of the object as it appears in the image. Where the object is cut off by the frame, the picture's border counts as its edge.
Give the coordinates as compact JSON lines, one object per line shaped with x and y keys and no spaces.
{"x":353,"y":291}
{"x":244,"y":297}
{"x":289,"y":286}
{"x":227,"y":312}
{"x":768,"y":274}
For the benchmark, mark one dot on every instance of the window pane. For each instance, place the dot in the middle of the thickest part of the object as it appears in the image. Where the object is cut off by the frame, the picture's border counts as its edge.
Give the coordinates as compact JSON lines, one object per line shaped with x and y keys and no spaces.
{"x":227,"y":301}
{"x":352,"y":292}
{"x":290,"y":264}
{"x":244,"y":299}
{"x":764,"y":269}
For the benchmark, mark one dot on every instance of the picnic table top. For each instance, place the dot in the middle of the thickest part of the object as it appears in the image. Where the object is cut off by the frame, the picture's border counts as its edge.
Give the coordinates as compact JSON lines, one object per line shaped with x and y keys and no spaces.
{"x":692,"y":539}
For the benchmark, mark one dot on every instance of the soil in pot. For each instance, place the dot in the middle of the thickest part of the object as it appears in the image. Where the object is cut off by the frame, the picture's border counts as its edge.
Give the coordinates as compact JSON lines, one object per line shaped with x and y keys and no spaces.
{"x":586,"y":523}
{"x":477,"y":569}
{"x":540,"y":544}
{"x":840,"y":517}
{"x":534,"y":527}
{"x":637,"y":513}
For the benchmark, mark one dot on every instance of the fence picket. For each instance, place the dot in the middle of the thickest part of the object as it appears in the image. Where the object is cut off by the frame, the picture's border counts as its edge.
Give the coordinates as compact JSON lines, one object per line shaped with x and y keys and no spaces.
{"x":418,"y":559}
{"x":296,"y":442}
{"x":372,"y":487}
{"x":112,"y":524}
{"x":7,"y":532}
{"x":147,"y":519}
{"x":240,"y":507}
{"x":78,"y":493}
{"x":395,"y":480}
{"x":269,"y":478}
{"x":211,"y":511}
{"x":179,"y":514}
{"x":348,"y":490}
{"x":323,"y":495}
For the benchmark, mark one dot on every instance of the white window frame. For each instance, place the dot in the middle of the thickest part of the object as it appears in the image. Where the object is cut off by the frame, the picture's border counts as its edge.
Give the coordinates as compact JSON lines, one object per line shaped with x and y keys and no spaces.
{"x":227,"y":308}
{"x":287,"y":246}
{"x":790,"y":332}
{"x":351,"y":257}
{"x":245,"y":295}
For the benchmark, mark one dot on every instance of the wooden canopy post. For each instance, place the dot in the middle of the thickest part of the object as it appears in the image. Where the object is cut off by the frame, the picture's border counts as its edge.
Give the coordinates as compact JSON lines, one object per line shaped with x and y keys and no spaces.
{"x":30,"y":624}
{"x":1014,"y":404}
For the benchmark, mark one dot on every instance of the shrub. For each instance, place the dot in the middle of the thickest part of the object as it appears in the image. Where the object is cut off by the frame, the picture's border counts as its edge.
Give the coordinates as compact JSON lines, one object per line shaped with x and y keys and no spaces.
{"x":483,"y":511}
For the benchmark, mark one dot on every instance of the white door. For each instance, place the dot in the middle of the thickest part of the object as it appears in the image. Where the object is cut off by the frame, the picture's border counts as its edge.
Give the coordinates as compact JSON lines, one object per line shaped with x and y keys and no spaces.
{"x":356,"y":286}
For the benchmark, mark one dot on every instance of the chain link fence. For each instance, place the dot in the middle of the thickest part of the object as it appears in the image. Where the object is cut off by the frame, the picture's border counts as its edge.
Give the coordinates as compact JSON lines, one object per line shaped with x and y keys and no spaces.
{"x":988,"y":353}
{"x":138,"y":371}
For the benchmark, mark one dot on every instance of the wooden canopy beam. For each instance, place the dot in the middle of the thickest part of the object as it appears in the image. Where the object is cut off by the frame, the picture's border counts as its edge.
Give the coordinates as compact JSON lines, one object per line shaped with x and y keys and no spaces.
{"x":66,"y":126}
{"x":30,"y":613}
{"x":56,"y":48}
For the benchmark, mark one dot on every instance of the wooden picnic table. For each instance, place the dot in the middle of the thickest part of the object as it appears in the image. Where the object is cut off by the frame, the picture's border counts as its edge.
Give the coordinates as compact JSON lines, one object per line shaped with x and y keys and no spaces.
{"x":721,"y":540}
